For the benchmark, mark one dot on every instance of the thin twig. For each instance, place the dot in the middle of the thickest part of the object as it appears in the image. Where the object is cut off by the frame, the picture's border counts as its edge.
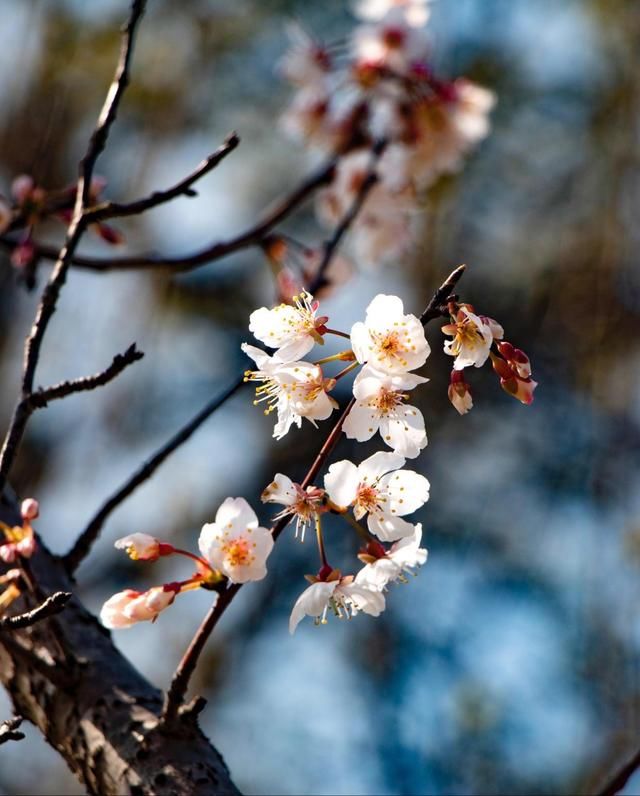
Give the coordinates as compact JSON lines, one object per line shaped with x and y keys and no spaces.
{"x":9,"y":730}
{"x":77,"y":226}
{"x":621,"y":777}
{"x":40,"y":398}
{"x":253,"y":236}
{"x":89,"y":535}
{"x":51,"y":606}
{"x":186,"y":667}
{"x":331,"y":246}
{"x":182,"y":188}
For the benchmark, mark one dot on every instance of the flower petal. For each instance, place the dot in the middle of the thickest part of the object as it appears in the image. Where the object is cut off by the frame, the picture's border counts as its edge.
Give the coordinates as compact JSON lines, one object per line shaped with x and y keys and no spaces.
{"x":341,"y":482}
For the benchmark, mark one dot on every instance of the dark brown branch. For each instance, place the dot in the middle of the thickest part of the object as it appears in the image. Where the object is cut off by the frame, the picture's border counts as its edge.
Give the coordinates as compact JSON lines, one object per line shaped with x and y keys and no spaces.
{"x":9,"y":730}
{"x":331,"y":246}
{"x":621,"y":777}
{"x":86,"y":539}
{"x":51,"y":606}
{"x":40,"y":398}
{"x":77,"y":226}
{"x":253,"y":236}
{"x":183,"y":188}
{"x":188,"y":663}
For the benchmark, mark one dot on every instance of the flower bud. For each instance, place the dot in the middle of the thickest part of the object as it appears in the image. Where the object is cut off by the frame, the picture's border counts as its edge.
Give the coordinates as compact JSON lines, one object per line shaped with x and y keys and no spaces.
{"x":459,"y":392}
{"x":139,"y":546}
{"x":26,"y":547}
{"x":29,"y":509}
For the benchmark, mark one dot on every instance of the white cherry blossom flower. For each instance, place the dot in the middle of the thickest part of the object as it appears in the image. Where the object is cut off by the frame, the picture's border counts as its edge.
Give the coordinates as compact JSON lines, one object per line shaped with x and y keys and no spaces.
{"x":306,"y":62}
{"x":390,"y":43}
{"x":291,"y":328}
{"x":294,"y":390}
{"x":380,"y":406}
{"x":389,"y":340}
{"x":472,"y":339}
{"x":128,"y":607}
{"x":385,"y":566}
{"x":379,"y":488}
{"x":303,"y":504}
{"x":235,"y":544}
{"x":416,"y":12}
{"x":340,"y":595}
{"x":139,"y":546}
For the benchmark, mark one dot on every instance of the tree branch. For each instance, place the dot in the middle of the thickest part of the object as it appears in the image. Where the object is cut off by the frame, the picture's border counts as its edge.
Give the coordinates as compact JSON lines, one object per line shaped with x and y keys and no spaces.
{"x":40,"y":398}
{"x":349,"y":217}
{"x":51,"y":606}
{"x":85,"y":541}
{"x":77,"y":226}
{"x":618,"y":780}
{"x":9,"y":730}
{"x":117,"y":210}
{"x":186,"y":667}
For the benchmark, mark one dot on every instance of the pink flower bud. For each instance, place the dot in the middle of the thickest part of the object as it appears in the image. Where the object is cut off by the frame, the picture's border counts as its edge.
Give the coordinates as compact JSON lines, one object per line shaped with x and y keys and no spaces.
{"x":8,"y":553}
{"x":128,"y":607}
{"x":21,"y":188}
{"x":459,"y":392}
{"x":29,"y":509}
{"x":26,"y":547}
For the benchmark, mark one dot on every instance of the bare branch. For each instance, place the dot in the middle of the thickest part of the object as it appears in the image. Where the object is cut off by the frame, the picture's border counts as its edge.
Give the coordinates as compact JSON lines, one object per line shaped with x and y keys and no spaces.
{"x":621,"y":777}
{"x":86,"y":539}
{"x":77,"y":226}
{"x":349,"y":217}
{"x":253,"y":236}
{"x":9,"y":730}
{"x":182,"y":188}
{"x":40,"y":398}
{"x":51,"y":606}
{"x":189,"y":661}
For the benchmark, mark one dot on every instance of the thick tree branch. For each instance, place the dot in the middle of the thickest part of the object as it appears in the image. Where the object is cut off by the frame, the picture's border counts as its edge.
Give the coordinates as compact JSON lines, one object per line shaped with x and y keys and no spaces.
{"x":183,"y":188}
{"x":51,"y":606}
{"x":228,"y":591}
{"x":9,"y":730}
{"x":85,"y":541}
{"x":618,"y":780}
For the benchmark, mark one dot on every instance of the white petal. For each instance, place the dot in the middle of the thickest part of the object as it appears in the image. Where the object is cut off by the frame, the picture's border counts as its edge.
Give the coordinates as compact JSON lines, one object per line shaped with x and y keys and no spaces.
{"x":360,"y":341}
{"x":341,"y":482}
{"x":376,"y":576}
{"x":407,"y":552}
{"x":311,"y":602}
{"x":408,"y":491}
{"x":388,"y":527}
{"x":360,"y":423}
{"x":377,"y":465}
{"x":208,"y":539}
{"x":280,"y":490}
{"x":237,"y":512}
{"x":406,"y":435}
{"x":363,"y":599}
{"x":384,"y":309}
{"x":260,"y":357}
{"x":294,"y":349}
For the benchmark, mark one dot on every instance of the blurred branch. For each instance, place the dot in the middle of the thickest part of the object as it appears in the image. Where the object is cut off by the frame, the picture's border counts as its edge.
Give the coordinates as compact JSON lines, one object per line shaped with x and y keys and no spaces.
{"x":9,"y":730}
{"x":77,"y":226}
{"x":186,"y":667}
{"x":331,"y":246}
{"x":51,"y":606}
{"x":40,"y":398}
{"x":85,"y":541}
{"x":253,"y":236}
{"x":182,"y":188}
{"x":618,"y":780}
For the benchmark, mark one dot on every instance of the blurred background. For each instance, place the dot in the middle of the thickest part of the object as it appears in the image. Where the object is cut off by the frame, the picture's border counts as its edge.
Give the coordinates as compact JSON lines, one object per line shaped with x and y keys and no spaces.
{"x":510,"y":665}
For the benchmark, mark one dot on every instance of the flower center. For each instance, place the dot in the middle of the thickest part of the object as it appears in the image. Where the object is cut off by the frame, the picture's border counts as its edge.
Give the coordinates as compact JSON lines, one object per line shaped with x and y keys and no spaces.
{"x":238,"y":552}
{"x":393,"y":345}
{"x":368,"y":498}
{"x":387,"y":400}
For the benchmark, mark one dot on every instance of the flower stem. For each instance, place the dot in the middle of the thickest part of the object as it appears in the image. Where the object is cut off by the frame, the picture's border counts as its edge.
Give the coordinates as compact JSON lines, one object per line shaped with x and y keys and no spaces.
{"x":193,"y":557}
{"x":341,"y":356}
{"x":346,"y":370}
{"x":337,"y":333}
{"x":360,"y":530}
{"x":319,"y":537}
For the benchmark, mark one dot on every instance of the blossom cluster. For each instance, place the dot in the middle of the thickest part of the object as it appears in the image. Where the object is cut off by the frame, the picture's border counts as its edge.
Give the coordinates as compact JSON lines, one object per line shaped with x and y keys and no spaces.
{"x":19,"y":543}
{"x":384,"y":90}
{"x":476,"y":338}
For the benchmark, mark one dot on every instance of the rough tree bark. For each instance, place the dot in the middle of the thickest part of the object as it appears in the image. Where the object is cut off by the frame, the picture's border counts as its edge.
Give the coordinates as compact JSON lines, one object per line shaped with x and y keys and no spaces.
{"x":65,"y":675}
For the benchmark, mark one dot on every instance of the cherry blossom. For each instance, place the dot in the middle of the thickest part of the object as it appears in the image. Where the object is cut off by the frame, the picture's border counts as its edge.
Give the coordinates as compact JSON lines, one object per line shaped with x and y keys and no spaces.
{"x":235,"y":544}
{"x":339,"y":594}
{"x":416,"y":12}
{"x":140,"y":546}
{"x":384,"y":566}
{"x":306,"y":62}
{"x":294,"y":390}
{"x":459,"y":392}
{"x":380,"y":406}
{"x":292,"y":329}
{"x":515,"y":372}
{"x":472,"y":339}
{"x":390,"y":43}
{"x":378,"y":488}
{"x":303,"y":504}
{"x":29,"y":509}
{"x":129,"y":606}
{"x":389,"y":340}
